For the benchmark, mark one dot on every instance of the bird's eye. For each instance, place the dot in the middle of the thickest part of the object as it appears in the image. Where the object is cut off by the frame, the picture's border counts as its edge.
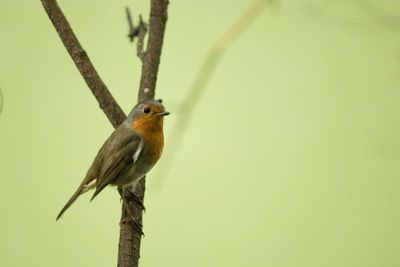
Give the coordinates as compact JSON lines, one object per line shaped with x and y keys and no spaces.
{"x":146,"y":110}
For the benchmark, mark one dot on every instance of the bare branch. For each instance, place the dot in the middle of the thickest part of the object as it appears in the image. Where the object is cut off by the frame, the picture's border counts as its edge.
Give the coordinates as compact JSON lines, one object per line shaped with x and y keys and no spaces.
{"x":133,"y":31}
{"x":106,"y":101}
{"x":139,"y":31}
{"x":158,"y":18}
{"x":130,"y":237}
{"x":142,"y":33}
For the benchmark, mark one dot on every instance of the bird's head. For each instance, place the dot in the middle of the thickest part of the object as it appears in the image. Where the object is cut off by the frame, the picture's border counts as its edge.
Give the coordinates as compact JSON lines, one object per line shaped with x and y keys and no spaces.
{"x":147,"y":116}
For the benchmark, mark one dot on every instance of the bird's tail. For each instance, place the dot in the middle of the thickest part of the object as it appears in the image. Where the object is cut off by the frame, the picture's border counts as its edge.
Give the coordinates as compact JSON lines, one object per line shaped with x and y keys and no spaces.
{"x":86,"y":185}
{"x":70,"y":201}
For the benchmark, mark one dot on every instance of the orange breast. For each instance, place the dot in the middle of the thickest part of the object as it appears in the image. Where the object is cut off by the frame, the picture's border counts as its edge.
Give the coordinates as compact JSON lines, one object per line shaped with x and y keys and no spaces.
{"x":151,"y":131}
{"x":155,"y":145}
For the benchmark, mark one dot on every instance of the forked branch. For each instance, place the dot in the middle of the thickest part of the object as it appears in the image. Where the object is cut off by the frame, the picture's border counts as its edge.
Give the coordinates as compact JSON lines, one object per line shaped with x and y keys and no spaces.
{"x":130,"y":237}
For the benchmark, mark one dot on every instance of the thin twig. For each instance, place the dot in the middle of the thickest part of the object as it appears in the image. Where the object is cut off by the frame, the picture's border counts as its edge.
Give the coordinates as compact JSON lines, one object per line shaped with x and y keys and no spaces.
{"x":139,"y":31}
{"x":107,"y":102}
{"x":133,"y":31}
{"x":142,"y":33}
{"x":193,"y":96}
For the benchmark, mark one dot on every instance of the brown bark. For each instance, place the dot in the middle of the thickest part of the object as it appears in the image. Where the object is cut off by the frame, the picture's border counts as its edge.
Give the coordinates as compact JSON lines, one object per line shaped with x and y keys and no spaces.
{"x":130,"y":237}
{"x":158,"y":18}
{"x":129,"y":244}
{"x":138,"y":31}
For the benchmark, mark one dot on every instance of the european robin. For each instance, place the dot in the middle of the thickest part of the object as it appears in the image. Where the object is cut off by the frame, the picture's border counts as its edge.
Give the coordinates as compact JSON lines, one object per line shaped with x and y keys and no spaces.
{"x":128,"y":154}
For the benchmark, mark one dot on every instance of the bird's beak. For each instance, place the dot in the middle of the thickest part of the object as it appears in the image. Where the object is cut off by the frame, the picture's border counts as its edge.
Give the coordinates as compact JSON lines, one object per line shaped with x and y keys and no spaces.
{"x":164,"y":113}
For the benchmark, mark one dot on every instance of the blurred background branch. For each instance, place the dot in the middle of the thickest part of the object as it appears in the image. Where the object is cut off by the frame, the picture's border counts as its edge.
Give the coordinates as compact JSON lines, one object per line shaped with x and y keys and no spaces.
{"x":322,"y":11}
{"x":200,"y":82}
{"x":382,"y":16}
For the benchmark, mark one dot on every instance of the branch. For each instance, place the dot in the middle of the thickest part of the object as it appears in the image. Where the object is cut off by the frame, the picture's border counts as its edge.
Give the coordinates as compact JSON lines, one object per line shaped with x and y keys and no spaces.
{"x":139,"y":31}
{"x":142,"y":32}
{"x":158,"y":18}
{"x":130,"y":237}
{"x":106,"y":101}
{"x":133,"y":31}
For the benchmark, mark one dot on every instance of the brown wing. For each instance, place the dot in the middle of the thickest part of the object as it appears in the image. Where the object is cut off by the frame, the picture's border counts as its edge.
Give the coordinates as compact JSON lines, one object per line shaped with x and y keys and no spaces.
{"x":117,"y":140}
{"x":114,"y":157}
{"x":116,"y":165}
{"x":118,"y":157}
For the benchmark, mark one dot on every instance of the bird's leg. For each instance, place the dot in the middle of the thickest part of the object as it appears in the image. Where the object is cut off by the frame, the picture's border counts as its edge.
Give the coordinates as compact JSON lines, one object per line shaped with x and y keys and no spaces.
{"x":137,"y":199}
{"x":128,"y":210}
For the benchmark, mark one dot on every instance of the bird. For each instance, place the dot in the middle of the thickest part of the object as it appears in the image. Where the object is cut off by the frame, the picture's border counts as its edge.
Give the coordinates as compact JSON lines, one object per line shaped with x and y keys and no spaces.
{"x":128,"y":154}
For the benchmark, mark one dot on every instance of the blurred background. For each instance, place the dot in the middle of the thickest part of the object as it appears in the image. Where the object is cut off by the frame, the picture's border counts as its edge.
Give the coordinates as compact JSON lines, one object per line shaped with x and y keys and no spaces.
{"x":291,"y":157}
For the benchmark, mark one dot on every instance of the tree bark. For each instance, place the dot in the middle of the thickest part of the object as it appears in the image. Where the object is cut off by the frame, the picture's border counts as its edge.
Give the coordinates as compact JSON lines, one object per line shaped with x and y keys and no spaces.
{"x":130,"y":238}
{"x":158,"y":19}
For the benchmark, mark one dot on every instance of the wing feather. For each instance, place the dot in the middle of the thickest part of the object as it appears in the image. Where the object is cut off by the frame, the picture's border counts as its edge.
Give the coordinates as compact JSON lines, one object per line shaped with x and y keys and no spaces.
{"x":120,"y":158}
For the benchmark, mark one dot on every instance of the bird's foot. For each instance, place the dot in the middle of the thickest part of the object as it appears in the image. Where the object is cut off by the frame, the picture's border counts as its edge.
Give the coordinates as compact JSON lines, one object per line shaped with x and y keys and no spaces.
{"x":137,"y":224}
{"x":131,"y":219}
{"x":137,"y":199}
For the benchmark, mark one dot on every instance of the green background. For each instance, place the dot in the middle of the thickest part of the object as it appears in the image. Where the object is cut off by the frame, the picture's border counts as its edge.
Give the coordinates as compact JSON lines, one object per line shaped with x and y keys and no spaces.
{"x":291,"y":158}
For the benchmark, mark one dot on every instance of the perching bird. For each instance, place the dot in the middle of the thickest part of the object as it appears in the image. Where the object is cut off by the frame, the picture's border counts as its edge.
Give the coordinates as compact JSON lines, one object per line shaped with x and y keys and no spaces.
{"x":128,"y":154}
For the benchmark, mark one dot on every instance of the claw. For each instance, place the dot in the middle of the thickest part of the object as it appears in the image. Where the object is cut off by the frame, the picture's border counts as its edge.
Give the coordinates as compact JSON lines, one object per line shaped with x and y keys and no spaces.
{"x":138,"y":200}
{"x":137,"y":224}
